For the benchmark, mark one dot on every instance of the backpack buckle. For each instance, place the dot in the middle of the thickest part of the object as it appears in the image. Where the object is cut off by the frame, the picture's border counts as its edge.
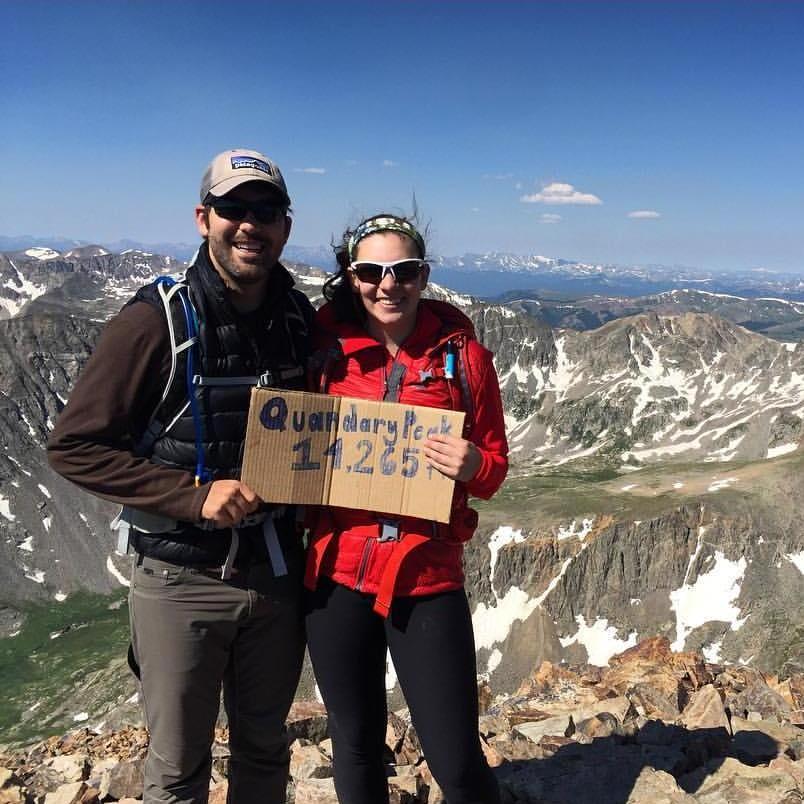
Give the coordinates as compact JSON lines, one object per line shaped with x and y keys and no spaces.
{"x":389,"y":530}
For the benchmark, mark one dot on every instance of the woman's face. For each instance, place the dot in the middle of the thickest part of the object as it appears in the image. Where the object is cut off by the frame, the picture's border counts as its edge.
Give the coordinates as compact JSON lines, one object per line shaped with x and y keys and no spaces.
{"x":390,"y":306}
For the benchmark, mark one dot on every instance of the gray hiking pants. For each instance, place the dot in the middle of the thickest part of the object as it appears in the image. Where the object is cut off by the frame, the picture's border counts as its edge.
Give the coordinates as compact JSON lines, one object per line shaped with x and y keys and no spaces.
{"x":193,"y":633}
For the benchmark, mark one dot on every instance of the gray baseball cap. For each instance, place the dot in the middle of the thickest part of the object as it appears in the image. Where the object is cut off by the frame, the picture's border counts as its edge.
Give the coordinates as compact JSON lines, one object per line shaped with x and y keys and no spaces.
{"x":232,"y":168}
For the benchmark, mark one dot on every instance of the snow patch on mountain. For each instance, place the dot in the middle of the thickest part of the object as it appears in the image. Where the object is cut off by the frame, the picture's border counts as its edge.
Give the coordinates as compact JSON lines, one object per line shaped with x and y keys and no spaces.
{"x":42,"y":253}
{"x":5,"y":509}
{"x":710,"y":599}
{"x":599,"y":639}
{"x":797,"y":560}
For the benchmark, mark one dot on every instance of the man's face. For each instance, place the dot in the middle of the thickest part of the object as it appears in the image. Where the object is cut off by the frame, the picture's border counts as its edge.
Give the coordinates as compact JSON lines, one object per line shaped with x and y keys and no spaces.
{"x":243,"y":251}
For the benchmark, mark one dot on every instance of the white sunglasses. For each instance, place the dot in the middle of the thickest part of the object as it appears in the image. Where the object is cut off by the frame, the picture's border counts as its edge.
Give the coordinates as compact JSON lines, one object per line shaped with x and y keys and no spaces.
{"x":374,"y":271}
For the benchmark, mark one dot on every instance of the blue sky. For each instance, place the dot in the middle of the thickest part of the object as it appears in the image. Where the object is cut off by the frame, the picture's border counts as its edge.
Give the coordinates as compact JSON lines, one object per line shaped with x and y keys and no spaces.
{"x":529,"y":127}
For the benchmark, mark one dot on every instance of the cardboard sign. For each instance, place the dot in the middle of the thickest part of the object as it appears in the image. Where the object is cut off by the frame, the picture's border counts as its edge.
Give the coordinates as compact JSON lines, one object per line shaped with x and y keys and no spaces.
{"x":356,"y":453}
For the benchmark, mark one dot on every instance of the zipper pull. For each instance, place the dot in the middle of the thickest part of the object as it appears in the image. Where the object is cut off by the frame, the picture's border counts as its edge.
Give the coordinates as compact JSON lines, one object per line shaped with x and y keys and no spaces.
{"x":449,"y":361}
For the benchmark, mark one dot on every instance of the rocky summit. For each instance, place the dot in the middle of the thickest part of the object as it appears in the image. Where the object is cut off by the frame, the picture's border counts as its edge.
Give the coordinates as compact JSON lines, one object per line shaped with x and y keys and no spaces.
{"x":656,"y":727}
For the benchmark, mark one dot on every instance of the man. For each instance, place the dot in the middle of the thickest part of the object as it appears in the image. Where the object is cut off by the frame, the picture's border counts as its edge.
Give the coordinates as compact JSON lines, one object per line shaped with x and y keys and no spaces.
{"x":215,"y":587}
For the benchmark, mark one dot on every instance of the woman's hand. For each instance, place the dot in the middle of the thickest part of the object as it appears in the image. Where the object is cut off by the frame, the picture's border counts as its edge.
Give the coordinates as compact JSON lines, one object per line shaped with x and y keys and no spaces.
{"x":452,"y":456}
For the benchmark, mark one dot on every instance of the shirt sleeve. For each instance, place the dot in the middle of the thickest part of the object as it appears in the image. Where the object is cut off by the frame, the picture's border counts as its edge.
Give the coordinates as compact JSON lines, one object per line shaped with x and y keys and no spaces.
{"x":110,"y":406}
{"x":488,"y":432}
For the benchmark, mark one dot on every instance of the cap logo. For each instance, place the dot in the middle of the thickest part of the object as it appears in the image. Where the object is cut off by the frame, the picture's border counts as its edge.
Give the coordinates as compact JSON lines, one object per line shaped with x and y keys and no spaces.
{"x":251,"y":163}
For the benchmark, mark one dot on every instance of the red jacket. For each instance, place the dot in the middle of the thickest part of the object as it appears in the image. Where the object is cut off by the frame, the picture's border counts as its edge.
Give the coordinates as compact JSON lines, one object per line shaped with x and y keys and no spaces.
{"x":345,"y":545}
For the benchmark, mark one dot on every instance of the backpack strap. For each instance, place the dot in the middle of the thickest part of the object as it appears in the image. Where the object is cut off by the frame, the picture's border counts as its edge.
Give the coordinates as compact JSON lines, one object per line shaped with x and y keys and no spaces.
{"x":168,"y":289}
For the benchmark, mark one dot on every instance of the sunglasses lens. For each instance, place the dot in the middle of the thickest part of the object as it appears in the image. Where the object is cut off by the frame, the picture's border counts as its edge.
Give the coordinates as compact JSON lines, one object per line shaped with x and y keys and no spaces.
{"x":263,"y":213}
{"x":407,"y":271}
{"x":369,"y":272}
{"x":232,"y":212}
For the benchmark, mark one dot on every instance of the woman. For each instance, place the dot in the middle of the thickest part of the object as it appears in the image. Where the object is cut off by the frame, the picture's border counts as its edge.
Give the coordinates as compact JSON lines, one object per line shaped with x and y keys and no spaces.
{"x":383,"y":341}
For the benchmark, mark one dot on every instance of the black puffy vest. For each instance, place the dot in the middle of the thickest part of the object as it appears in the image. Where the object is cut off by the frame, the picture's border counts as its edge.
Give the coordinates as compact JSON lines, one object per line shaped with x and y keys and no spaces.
{"x":272,"y":342}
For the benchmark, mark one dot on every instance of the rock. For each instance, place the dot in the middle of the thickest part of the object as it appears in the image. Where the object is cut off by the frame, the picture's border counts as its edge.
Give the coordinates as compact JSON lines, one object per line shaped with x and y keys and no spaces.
{"x":492,"y":755}
{"x":548,"y":676}
{"x":602,"y":725}
{"x":91,"y":796}
{"x":395,"y":732}
{"x":72,"y":768}
{"x":655,"y":702}
{"x":124,"y":780}
{"x":218,"y":793}
{"x":490,"y":725}
{"x":403,"y":789}
{"x":309,"y":762}
{"x":484,"y":697}
{"x":67,"y":794}
{"x":98,"y":768}
{"x":12,"y":795}
{"x":662,"y":678}
{"x":435,"y":795}
{"x":758,"y":697}
{"x":7,"y":778}
{"x":316,"y":791}
{"x":657,"y":787}
{"x":729,"y":781}
{"x":550,"y":727}
{"x":759,"y":741}
{"x":706,"y":710}
{"x":794,"y":769}
{"x":307,"y":720}
{"x":410,"y":752}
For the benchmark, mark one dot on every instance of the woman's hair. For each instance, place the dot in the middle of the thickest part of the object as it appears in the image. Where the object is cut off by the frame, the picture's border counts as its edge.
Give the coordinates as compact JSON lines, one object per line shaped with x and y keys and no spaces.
{"x":337,"y":289}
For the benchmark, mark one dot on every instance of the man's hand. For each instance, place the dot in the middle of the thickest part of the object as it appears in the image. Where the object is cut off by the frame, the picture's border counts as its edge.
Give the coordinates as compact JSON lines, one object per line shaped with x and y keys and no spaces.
{"x":452,"y":456}
{"x":228,"y":501}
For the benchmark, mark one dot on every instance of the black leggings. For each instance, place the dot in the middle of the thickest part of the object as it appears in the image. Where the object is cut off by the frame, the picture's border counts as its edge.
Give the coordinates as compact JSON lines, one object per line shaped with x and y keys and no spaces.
{"x":432,"y":646}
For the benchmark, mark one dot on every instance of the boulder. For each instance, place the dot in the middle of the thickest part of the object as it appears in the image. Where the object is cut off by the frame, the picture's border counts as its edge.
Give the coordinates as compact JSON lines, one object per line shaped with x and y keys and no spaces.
{"x":218,"y":792}
{"x":403,"y":789}
{"x":728,"y":780}
{"x":91,"y":796}
{"x":705,"y":710}
{"x":71,"y":767}
{"x":758,"y":698}
{"x":549,"y":727}
{"x":67,"y":794}
{"x":657,"y":787}
{"x":307,"y":720}
{"x":315,"y":791}
{"x":395,"y":732}
{"x":660,"y":679}
{"x":124,"y":780}
{"x":309,"y":762}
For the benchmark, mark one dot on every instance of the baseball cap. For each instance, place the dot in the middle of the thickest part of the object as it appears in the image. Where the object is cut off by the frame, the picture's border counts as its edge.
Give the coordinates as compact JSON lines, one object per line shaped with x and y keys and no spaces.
{"x":232,"y":168}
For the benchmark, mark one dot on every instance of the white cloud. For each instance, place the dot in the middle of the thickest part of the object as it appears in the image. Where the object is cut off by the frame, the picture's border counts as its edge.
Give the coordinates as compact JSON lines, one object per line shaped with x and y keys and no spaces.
{"x":475,"y":209}
{"x":316,"y":170}
{"x":549,"y":217}
{"x":518,"y":185}
{"x":560,"y":193}
{"x":647,"y":214}
{"x":498,"y":176}
{"x":389,"y":163}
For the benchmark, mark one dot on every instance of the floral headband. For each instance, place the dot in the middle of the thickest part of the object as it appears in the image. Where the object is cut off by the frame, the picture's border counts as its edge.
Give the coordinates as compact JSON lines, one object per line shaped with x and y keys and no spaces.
{"x":384,"y":223}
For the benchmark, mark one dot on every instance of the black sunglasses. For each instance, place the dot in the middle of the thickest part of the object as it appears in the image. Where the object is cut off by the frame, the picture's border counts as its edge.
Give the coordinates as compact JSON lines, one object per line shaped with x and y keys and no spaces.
{"x":403,"y":271}
{"x":261,"y":211}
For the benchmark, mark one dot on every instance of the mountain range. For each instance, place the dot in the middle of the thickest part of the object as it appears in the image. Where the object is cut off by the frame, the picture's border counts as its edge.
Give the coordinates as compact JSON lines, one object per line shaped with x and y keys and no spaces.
{"x":655,"y":475}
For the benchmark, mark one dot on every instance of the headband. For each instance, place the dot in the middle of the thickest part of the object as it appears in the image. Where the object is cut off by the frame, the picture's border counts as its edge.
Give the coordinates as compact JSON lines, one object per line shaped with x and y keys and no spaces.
{"x":384,"y":223}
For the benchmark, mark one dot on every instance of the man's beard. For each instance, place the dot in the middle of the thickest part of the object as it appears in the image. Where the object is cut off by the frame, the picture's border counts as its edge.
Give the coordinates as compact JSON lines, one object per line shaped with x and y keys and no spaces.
{"x":222,"y":252}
